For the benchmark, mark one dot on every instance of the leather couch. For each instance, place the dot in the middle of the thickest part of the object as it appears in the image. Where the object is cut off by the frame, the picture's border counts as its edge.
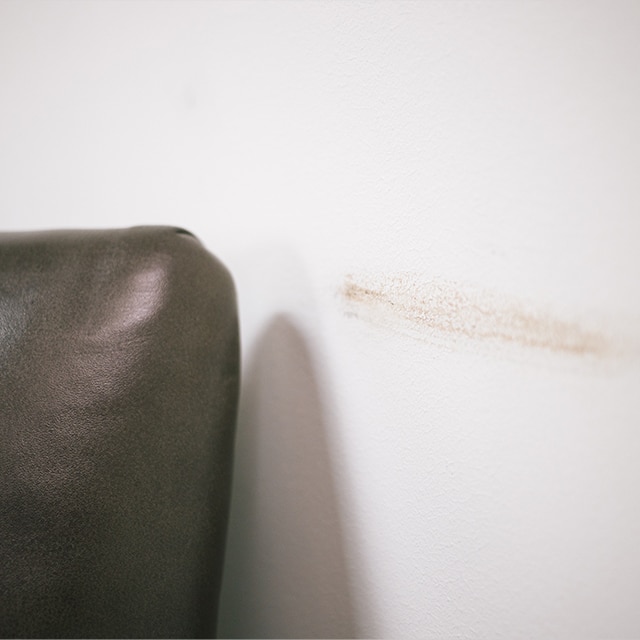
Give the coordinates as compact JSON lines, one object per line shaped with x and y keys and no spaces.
{"x":119,"y":377}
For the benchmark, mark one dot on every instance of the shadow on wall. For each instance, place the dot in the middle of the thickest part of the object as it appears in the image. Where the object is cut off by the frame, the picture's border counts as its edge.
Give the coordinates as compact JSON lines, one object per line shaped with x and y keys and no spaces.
{"x":286,"y":573}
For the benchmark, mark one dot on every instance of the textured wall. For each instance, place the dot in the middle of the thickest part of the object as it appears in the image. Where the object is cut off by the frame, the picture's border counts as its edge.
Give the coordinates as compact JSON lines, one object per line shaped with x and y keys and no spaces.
{"x":431,"y":211}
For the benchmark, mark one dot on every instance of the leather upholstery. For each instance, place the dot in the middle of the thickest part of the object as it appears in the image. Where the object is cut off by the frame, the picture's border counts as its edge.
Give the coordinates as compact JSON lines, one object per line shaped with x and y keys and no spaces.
{"x":119,"y":371}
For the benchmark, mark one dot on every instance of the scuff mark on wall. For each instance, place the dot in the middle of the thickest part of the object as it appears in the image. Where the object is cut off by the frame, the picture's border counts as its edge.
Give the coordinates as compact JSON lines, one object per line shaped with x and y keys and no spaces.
{"x":441,"y":310}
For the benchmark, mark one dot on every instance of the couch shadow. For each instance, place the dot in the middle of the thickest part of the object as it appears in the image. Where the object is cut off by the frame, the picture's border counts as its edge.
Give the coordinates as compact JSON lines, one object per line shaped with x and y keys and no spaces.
{"x":286,"y":571}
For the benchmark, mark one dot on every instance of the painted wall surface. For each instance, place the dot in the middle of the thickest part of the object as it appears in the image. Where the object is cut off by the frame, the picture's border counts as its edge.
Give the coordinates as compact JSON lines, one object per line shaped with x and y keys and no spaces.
{"x":431,"y":213}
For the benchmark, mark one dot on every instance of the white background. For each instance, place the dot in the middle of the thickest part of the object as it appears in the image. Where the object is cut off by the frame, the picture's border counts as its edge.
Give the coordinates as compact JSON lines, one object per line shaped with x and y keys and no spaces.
{"x":390,"y":482}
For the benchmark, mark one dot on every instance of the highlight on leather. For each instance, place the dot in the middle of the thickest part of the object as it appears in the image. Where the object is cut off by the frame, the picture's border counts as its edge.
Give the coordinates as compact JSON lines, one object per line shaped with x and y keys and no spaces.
{"x":119,"y":378}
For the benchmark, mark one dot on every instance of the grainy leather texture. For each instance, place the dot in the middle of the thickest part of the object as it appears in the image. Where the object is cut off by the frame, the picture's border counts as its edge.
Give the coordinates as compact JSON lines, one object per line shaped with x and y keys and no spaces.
{"x":119,"y":373}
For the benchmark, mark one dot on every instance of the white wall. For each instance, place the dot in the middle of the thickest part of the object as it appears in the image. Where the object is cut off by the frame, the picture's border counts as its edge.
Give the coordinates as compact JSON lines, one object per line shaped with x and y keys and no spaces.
{"x":431,"y":212}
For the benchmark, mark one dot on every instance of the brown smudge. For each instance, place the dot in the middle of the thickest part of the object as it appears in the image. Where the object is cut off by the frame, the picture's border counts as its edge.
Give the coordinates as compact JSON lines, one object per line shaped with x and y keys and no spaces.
{"x":452,"y":311}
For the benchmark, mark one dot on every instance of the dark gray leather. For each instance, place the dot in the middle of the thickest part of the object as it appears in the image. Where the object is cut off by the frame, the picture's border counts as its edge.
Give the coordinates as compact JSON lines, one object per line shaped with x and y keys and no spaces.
{"x":119,"y":373}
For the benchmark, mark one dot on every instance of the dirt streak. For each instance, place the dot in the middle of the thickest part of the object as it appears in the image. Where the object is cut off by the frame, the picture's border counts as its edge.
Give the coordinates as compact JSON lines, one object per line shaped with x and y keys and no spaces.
{"x":457,"y":311}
